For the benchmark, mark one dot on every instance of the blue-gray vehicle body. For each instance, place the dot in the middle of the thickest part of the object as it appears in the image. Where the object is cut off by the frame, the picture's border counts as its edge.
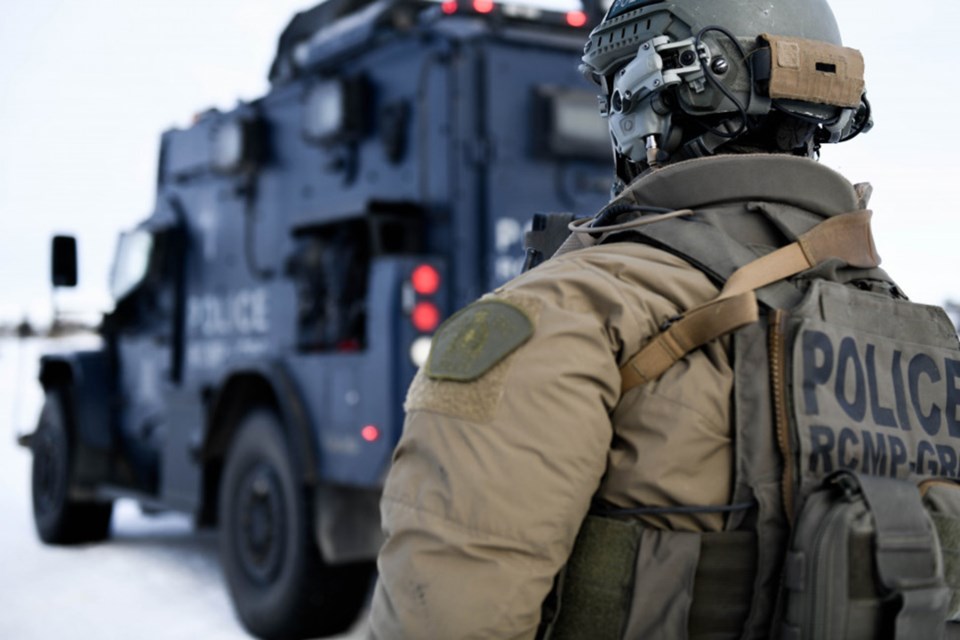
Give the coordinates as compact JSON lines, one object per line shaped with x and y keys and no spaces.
{"x":281,"y":266}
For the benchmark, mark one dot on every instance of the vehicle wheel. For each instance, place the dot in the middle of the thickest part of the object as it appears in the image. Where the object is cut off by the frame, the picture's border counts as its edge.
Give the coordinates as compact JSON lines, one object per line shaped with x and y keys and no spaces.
{"x":280,"y":586}
{"x":59,"y":518}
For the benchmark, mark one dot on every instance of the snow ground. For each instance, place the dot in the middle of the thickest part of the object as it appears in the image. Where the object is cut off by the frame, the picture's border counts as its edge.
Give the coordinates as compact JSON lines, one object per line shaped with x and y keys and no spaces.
{"x":156,"y":578}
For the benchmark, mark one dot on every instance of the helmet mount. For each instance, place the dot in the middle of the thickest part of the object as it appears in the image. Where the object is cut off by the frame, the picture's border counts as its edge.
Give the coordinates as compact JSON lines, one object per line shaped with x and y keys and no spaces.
{"x":692,"y":78}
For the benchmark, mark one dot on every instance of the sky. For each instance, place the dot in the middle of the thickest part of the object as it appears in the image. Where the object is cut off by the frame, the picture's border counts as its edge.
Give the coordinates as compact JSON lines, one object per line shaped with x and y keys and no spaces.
{"x":86,"y":88}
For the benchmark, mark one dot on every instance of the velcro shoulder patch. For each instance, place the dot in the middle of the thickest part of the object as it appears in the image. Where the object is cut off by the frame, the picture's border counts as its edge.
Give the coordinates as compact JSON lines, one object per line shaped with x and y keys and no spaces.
{"x":475,"y":339}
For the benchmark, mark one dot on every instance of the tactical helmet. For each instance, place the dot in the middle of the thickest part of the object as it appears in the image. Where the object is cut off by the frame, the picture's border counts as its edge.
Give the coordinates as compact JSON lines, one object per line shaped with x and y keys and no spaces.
{"x":691,"y":78}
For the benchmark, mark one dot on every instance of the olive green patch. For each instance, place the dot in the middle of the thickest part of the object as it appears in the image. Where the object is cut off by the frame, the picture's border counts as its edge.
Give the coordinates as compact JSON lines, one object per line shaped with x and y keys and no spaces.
{"x":474,"y":340}
{"x":474,"y":401}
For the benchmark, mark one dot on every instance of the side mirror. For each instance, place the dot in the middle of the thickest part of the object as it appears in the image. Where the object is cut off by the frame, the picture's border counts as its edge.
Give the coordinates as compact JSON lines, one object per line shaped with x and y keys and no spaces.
{"x":63,"y":264}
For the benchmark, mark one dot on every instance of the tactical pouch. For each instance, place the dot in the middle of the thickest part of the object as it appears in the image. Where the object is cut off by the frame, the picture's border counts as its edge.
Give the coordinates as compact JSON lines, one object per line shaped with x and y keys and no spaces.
{"x":592,"y":595}
{"x":628,"y":580}
{"x":942,"y":500}
{"x":864,"y":562}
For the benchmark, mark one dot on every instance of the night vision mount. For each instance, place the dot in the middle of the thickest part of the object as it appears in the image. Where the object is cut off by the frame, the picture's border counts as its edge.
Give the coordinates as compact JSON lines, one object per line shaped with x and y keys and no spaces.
{"x":659,"y":64}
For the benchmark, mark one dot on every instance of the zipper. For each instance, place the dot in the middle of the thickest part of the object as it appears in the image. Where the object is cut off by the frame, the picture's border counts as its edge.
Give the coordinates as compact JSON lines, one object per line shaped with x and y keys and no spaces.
{"x":778,"y":384}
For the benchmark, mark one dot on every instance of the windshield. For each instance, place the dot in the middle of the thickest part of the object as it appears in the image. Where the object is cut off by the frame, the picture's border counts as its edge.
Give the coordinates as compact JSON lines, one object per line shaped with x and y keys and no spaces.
{"x":131,"y":263}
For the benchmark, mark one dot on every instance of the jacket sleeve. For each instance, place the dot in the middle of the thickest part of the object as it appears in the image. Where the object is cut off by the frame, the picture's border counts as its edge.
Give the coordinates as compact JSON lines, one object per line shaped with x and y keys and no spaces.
{"x":492,"y":477}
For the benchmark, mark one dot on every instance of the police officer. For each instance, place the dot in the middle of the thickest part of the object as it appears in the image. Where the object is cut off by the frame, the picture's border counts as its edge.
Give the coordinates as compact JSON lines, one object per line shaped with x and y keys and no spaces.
{"x":568,"y":453}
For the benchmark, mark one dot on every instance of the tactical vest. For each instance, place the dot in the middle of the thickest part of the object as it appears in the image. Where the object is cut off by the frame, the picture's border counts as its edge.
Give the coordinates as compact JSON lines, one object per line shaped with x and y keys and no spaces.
{"x":845,"y":515}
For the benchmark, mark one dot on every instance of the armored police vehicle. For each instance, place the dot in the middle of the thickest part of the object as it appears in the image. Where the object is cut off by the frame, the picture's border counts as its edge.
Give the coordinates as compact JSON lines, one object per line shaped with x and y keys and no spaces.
{"x":272,"y":309}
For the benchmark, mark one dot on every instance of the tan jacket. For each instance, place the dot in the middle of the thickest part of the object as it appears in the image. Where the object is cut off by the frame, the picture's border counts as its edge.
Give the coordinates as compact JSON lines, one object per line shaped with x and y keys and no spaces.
{"x":493,"y":477}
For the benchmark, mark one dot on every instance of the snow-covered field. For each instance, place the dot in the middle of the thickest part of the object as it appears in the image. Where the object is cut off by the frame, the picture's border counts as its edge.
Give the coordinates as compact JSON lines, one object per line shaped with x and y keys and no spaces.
{"x":155,"y":578}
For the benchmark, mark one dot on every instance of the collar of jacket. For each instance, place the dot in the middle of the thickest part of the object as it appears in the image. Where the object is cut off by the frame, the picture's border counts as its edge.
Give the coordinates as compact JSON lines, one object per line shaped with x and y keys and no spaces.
{"x":703,"y":182}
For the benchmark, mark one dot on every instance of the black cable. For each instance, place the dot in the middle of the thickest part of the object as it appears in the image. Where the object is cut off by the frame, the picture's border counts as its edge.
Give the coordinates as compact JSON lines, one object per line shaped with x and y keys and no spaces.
{"x":665,"y":511}
{"x":741,"y":109}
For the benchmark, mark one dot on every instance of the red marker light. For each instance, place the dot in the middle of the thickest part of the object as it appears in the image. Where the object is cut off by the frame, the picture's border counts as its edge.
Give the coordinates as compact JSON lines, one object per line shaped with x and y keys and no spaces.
{"x":449,"y":7}
{"x":483,"y":6}
{"x":426,"y":280}
{"x":425,"y":317}
{"x":348,"y":345}
{"x":370,"y":433}
{"x":576,"y":18}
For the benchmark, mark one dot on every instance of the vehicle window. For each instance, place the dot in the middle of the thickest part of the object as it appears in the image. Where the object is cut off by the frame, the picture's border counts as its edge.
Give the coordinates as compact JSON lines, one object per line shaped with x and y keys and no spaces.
{"x":569,"y":125}
{"x":131,"y":263}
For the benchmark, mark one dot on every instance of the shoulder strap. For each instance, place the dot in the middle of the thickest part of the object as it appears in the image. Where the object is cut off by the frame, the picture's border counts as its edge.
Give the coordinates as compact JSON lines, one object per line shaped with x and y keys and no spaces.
{"x":845,"y":236}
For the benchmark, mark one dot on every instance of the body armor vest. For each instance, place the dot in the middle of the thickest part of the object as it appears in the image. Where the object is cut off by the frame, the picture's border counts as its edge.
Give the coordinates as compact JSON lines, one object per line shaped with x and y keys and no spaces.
{"x":846,"y":401}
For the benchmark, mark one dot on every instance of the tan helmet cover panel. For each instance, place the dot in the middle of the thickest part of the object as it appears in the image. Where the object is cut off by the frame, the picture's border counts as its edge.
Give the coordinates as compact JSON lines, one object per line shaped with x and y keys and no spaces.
{"x":814,"y":71}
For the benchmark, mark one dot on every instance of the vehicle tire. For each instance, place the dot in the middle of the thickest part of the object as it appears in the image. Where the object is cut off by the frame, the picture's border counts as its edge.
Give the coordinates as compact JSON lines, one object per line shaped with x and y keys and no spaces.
{"x":280,"y":586}
{"x":60,"y":519}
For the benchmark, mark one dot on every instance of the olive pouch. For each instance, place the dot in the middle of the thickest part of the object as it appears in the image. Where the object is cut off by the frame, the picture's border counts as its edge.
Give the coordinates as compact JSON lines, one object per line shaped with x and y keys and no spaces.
{"x":864,"y":562}
{"x":941,"y":497}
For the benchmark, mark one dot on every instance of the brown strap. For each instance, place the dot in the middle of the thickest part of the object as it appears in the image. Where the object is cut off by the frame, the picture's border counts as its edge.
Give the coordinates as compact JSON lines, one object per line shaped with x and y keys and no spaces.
{"x":846,"y":237}
{"x":698,"y":327}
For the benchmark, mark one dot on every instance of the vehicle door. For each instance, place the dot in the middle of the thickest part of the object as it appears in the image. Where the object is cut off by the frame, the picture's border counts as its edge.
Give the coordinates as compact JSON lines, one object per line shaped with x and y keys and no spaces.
{"x":146,"y":331}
